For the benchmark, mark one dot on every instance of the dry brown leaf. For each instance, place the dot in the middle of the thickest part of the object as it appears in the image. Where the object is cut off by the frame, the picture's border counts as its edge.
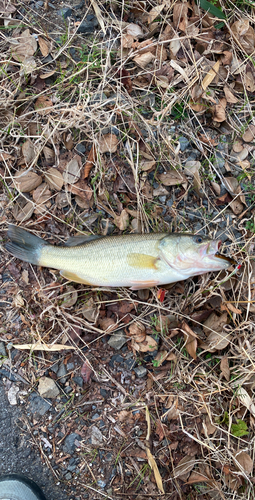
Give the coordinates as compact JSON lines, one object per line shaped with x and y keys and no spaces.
{"x":25,"y":48}
{"x":108,"y":143}
{"x":249,"y":81}
{"x":107,"y":324}
{"x":236,"y":206}
{"x":49,"y":155}
{"x":47,"y":74}
{"x":226,"y":57}
{"x":245,"y":399}
{"x":245,"y":461}
{"x":90,"y":310}
{"x":44,"y":45}
{"x":244,"y":34}
{"x":134,"y":30}
{"x":224,"y":366}
{"x":44,"y":347}
{"x":142,"y":60}
{"x":173,"y":178}
{"x":180,"y":16}
{"x":233,"y":309}
{"x":197,"y":477}
{"x":127,"y":41}
{"x":146,"y":165}
{"x":174,"y":47}
{"x":151,"y":460}
{"x":6,"y":7}
{"x":26,"y":181}
{"x":90,"y":161}
{"x":137,"y":331}
{"x":148,"y":345}
{"x":211,"y":75}
{"x":54,"y":179}
{"x":63,"y":200}
{"x":81,"y":189}
{"x":218,"y":338}
{"x":23,"y":209}
{"x":42,"y":194}
{"x":249,"y":133}
{"x":237,"y":146}
{"x":161,"y":356}
{"x":154,"y":12}
{"x":219,"y":110}
{"x":122,"y":220}
{"x":28,"y":151}
{"x":210,"y":428}
{"x":185,"y":465}
{"x":191,"y":340}
{"x":231,"y":98}
{"x":72,"y":171}
{"x":43,"y":105}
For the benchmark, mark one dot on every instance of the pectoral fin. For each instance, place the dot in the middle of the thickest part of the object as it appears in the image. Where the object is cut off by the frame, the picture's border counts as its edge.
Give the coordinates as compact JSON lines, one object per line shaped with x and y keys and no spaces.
{"x":142,"y":261}
{"x":74,"y":277}
{"x":141,"y":285}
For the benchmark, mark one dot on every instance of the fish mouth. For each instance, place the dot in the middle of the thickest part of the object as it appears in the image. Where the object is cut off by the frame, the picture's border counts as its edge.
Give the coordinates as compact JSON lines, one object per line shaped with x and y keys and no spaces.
{"x":214,"y":252}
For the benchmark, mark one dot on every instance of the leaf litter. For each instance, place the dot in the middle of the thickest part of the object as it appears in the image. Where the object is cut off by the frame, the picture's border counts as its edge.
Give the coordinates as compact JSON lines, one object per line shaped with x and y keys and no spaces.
{"x":145,"y":124}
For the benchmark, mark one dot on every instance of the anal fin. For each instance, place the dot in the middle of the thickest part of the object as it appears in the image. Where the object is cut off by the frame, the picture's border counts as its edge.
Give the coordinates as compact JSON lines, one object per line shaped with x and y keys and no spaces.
{"x":74,"y":277}
{"x":141,"y":285}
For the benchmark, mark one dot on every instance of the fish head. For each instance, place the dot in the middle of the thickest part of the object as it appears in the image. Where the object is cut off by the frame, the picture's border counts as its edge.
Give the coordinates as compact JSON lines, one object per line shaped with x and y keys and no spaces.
{"x":193,"y":254}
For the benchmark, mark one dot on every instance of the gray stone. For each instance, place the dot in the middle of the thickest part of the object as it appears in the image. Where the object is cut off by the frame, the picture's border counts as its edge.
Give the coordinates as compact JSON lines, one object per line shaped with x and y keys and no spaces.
{"x":97,"y":437}
{"x":129,"y":363}
{"x":39,"y":4}
{"x":170,"y":202}
{"x":54,"y":368}
{"x":78,"y":381}
{"x":162,"y":199}
{"x":117,"y":340}
{"x":140,"y":371}
{"x":38,"y":406}
{"x":98,"y":97}
{"x":184,"y":143}
{"x":69,"y":443}
{"x":106,"y":224}
{"x":61,"y":374}
{"x":95,"y":416}
{"x":68,"y":476}
{"x":47,"y":388}
{"x":80,"y":148}
{"x":102,"y":484}
{"x":65,"y":12}
{"x":87,"y":27}
{"x":70,"y":366}
{"x":2,"y":349}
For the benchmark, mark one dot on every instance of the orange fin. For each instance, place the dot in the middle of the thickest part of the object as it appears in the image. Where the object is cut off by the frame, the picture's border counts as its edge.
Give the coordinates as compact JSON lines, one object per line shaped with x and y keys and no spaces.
{"x":74,"y":277}
{"x":142,"y":261}
{"x":140,"y":285}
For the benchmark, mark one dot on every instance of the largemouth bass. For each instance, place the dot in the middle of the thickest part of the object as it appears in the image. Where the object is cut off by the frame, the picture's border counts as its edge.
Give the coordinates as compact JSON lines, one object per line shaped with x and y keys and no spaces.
{"x":132,"y":260}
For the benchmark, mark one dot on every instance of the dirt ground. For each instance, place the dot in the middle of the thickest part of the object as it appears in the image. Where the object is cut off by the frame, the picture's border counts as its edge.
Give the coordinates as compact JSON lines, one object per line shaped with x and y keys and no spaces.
{"x":119,"y":118}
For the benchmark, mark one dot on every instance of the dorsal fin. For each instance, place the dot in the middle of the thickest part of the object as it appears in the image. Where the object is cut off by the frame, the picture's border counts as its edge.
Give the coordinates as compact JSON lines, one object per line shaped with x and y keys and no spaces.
{"x":81,"y":239}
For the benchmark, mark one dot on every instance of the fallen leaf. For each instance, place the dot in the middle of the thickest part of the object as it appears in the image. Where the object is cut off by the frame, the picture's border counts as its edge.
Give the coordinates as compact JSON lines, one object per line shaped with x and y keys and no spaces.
{"x":28,"y":151}
{"x":244,"y":34}
{"x":54,"y":179}
{"x":231,"y":98}
{"x":49,"y":155}
{"x":209,"y":427}
{"x":224,"y":366}
{"x":44,"y":45}
{"x":90,"y":310}
{"x":160,"y":357}
{"x":249,"y":133}
{"x":70,"y":297}
{"x":180,"y":16}
{"x":43,"y":105}
{"x":218,"y":338}
{"x":197,"y":477}
{"x":191,"y":340}
{"x":146,"y":165}
{"x":72,"y":170}
{"x":154,"y":12}
{"x":42,"y":194}
{"x":185,"y":465}
{"x":7,"y":8}
{"x":38,"y":346}
{"x":127,"y":41}
{"x":172,"y":178}
{"x":134,"y":30}
{"x":90,"y":161}
{"x":108,"y":143}
{"x":148,"y":345}
{"x":26,"y":47}
{"x":137,"y":331}
{"x":107,"y":324}
{"x":86,"y":371}
{"x":151,"y":460}
{"x":47,"y":74}
{"x":245,"y":399}
{"x":122,"y":220}
{"x":26,"y":181}
{"x":211,"y":75}
{"x":219,"y":110}
{"x":142,"y":60}
{"x":245,"y":461}
{"x":23,"y":209}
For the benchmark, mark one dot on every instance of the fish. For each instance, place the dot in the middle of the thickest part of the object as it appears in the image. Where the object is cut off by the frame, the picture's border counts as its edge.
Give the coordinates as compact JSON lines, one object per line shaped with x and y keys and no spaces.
{"x":136,"y":261}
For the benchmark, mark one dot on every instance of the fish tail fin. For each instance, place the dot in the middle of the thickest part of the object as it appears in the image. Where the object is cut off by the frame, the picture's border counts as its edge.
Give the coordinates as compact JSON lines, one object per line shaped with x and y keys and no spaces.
{"x":24,"y":245}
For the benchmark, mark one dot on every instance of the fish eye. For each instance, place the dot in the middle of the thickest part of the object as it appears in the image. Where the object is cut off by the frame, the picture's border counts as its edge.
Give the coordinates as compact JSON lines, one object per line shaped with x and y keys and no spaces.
{"x":198,"y":239}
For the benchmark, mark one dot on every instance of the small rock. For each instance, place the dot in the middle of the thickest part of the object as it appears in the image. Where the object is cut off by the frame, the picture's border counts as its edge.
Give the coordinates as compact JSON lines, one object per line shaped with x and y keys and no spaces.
{"x":184,"y":143}
{"x":170,"y":202}
{"x":219,"y":161}
{"x":98,"y":97}
{"x":81,"y":148}
{"x":97,"y":437}
{"x":129,"y":363}
{"x":162,"y":199}
{"x":69,"y":443}
{"x":47,"y":388}
{"x":54,"y":368}
{"x":102,"y":484}
{"x":38,"y":406}
{"x":95,"y":416}
{"x":62,"y":371}
{"x":70,"y":366}
{"x":117,"y":340}
{"x":65,"y":12}
{"x":68,"y":476}
{"x":104,"y":393}
{"x":140,"y":371}
{"x":78,"y":381}
{"x":88,"y":25}
{"x":107,"y":226}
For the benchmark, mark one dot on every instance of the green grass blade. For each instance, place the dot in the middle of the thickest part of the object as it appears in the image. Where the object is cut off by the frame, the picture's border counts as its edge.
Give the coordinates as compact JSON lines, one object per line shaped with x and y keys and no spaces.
{"x":211,"y":8}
